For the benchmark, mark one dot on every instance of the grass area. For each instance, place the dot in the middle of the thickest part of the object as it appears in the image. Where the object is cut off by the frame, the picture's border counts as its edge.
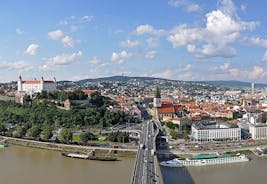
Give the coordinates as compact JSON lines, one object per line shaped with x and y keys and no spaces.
{"x":76,"y":138}
{"x":246,"y":152}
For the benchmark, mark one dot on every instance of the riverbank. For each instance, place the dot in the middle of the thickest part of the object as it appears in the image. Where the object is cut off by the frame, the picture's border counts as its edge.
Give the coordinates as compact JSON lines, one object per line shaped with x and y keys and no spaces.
{"x":119,"y":152}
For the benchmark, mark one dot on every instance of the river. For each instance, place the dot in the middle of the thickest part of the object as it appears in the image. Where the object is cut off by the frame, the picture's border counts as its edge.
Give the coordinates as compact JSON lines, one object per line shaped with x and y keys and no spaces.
{"x":25,"y":165}
{"x":253,"y":172}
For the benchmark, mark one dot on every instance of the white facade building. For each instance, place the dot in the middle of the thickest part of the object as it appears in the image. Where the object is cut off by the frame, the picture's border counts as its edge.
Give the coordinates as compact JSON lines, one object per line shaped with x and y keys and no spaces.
{"x":258,"y":131}
{"x":214,"y":132}
{"x":35,"y":86}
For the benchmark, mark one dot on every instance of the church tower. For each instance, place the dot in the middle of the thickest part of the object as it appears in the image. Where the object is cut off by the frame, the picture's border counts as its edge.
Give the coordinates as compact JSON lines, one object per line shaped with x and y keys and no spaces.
{"x":157,"y":98}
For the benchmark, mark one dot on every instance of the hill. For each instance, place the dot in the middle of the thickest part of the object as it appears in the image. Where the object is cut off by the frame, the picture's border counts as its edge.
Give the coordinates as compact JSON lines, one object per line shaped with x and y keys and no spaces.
{"x":233,"y":83}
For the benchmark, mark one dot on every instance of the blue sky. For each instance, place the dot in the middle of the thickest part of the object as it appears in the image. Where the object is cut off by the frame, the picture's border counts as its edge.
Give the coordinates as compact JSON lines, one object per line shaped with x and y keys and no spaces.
{"x":176,"y":39}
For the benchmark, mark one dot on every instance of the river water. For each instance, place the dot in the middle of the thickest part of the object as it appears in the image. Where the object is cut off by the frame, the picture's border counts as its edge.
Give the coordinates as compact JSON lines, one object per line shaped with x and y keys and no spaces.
{"x":23,"y":165}
{"x":253,"y":172}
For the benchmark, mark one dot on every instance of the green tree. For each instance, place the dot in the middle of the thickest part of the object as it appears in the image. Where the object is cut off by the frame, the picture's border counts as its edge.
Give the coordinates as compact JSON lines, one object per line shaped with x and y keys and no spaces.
{"x":47,"y":132}
{"x":85,"y":137}
{"x":174,"y":134}
{"x":66,"y":135}
{"x":21,"y":131}
{"x":172,"y":125}
{"x":34,"y":131}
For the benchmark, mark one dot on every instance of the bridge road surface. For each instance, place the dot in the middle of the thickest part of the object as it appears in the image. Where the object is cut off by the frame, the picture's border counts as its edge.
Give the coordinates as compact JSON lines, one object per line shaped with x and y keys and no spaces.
{"x":144,"y":172}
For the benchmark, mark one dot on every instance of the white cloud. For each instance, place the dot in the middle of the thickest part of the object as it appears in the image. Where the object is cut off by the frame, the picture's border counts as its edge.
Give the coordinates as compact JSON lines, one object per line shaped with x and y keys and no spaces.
{"x":193,"y":7}
{"x":32,"y":49}
{"x":19,"y":31}
{"x":120,"y":56}
{"x":243,"y":7}
{"x":265,"y":57}
{"x":223,"y":28}
{"x":181,"y":35}
{"x":189,"y":6}
{"x":148,"y":29}
{"x":56,"y":35}
{"x":17,"y":65}
{"x":95,"y":60}
{"x":63,"y":22}
{"x":60,"y":60}
{"x":68,"y":41}
{"x":65,"y":39}
{"x":151,"y":54}
{"x":130,"y":43}
{"x":185,"y":68}
{"x":165,"y":74}
{"x":258,"y":41}
{"x":87,"y":18}
{"x":257,"y":72}
{"x":152,"y":42}
{"x":225,"y":71}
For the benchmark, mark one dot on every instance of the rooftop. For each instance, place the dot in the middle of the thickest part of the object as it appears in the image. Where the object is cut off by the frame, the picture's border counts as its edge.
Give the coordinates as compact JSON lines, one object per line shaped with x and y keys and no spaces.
{"x":213,"y":125}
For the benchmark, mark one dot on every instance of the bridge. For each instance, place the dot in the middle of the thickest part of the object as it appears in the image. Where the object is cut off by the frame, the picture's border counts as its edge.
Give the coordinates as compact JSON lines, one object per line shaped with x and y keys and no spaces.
{"x":145,"y":170}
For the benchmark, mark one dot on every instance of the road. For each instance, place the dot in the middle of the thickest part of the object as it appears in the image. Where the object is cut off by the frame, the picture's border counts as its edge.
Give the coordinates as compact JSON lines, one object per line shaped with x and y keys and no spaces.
{"x":145,"y":166}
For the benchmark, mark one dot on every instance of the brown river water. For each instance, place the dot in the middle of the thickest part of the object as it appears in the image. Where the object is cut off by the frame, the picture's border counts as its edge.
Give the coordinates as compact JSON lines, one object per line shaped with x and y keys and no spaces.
{"x":23,"y":165}
{"x":252,"y":172}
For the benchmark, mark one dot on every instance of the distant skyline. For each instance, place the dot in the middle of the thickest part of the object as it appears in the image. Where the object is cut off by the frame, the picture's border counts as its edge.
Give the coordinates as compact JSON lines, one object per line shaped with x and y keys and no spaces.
{"x":173,"y":39}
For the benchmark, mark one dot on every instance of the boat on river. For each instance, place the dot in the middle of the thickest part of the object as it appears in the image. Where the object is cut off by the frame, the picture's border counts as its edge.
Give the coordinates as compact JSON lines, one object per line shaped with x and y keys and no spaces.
{"x":89,"y":157}
{"x":3,"y":144}
{"x":203,"y":160}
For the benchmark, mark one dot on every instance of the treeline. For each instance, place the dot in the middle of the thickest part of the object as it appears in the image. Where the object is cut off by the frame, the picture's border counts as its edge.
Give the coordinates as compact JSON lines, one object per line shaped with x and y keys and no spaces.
{"x":39,"y":119}
{"x":62,"y":95}
{"x":122,"y":137}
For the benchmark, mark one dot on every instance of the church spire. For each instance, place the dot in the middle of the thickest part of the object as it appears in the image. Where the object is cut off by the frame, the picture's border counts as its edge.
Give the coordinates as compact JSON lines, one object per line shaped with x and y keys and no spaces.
{"x":157,"y":94}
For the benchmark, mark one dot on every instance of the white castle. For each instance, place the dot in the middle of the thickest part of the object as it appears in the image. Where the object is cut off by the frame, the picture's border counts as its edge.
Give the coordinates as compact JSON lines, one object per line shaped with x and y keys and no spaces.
{"x":36,"y":86}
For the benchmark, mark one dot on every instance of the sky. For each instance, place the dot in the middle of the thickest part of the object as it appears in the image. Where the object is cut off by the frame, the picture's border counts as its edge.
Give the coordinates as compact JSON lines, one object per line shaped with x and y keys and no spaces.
{"x":174,"y":39}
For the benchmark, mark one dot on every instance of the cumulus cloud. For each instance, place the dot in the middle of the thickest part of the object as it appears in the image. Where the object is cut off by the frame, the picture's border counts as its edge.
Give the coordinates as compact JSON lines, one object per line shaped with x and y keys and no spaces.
{"x":225,"y":71}
{"x":17,"y":65}
{"x":32,"y":49}
{"x":120,"y":56}
{"x":65,"y":39}
{"x":188,"y":5}
{"x":87,"y":18}
{"x":265,"y":57}
{"x":257,"y":41}
{"x":19,"y":31}
{"x":148,"y":29}
{"x":56,"y":35}
{"x":130,"y":43}
{"x":152,"y":42}
{"x":165,"y":74}
{"x":243,"y":7}
{"x":223,"y":28}
{"x":257,"y":72}
{"x":151,"y":54}
{"x":95,"y":60}
{"x":60,"y":60}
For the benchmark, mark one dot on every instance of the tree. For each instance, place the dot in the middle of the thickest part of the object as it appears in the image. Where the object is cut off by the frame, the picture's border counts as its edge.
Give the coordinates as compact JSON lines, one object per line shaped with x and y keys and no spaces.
{"x":66,"y":135}
{"x":85,"y":137}
{"x":172,"y":125}
{"x":47,"y":132}
{"x":34,"y":131}
{"x":174,"y":134}
{"x":21,"y":131}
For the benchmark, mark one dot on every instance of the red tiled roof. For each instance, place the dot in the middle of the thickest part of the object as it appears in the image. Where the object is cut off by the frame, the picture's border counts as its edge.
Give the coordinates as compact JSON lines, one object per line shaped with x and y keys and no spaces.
{"x":35,"y":82}
{"x":166,"y":109}
{"x":89,"y":91}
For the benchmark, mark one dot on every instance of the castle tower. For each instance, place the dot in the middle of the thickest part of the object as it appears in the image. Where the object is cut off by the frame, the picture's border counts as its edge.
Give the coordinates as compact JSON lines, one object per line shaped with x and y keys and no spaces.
{"x":42,"y":84}
{"x":157,"y":98}
{"x":20,"y":84}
